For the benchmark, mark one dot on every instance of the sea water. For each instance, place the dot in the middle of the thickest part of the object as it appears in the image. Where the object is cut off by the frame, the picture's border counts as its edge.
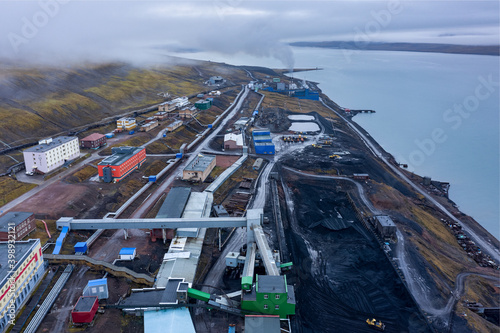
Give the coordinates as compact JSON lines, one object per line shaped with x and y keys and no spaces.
{"x":439,"y":113}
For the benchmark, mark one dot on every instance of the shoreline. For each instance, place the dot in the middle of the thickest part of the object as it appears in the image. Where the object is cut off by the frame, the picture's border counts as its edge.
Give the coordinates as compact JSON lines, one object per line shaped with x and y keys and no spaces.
{"x":484,"y":50}
{"x":448,"y":203}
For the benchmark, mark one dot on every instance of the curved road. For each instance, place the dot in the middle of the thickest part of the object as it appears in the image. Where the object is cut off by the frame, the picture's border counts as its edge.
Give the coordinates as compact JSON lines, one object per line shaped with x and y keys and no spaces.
{"x":416,"y":283}
{"x":483,"y":244}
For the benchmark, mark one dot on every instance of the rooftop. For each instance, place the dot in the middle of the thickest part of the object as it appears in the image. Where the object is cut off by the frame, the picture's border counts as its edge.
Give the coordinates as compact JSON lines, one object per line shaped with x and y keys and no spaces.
{"x":168,"y":321}
{"x":41,"y":148}
{"x":238,"y":138}
{"x":154,"y":297}
{"x":93,"y":137}
{"x":23,"y":248}
{"x":385,"y":221}
{"x":12,"y":217}
{"x":200,"y":163}
{"x":127,"y":119}
{"x":120,"y":155}
{"x":262,"y":324}
{"x":174,"y":203}
{"x":127,"y":250}
{"x":98,"y":282}
{"x":271,"y":284}
{"x":261,"y":132}
{"x":174,"y":123}
{"x":85,"y":303}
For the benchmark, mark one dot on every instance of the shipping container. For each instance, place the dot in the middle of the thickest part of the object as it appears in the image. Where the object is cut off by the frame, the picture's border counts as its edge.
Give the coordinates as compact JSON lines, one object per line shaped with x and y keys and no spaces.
{"x":85,"y":309}
{"x":81,"y":247}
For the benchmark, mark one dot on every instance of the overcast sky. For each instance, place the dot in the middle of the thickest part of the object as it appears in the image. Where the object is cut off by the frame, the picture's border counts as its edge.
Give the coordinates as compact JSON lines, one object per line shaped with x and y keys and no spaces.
{"x":69,"y":30}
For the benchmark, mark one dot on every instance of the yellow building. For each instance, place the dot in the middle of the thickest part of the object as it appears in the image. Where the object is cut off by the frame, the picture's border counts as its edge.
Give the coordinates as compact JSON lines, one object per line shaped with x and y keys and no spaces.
{"x":126,"y":124}
{"x":22,"y":268}
{"x":199,"y":168}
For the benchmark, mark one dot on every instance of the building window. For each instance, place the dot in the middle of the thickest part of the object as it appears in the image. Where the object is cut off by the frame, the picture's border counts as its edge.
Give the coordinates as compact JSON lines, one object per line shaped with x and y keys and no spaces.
{"x":266,"y":296}
{"x":266,"y":307}
{"x":277,"y":297}
{"x":276,"y":307}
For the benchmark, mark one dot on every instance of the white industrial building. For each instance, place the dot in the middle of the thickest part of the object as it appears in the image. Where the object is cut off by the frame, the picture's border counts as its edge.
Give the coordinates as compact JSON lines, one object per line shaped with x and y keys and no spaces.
{"x":50,"y":154}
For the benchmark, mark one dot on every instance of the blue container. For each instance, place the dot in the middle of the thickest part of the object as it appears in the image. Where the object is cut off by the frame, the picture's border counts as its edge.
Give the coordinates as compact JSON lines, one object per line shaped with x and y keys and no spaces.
{"x":178,"y":155}
{"x":152,"y":178}
{"x":81,"y":247}
{"x":109,"y":135}
{"x":164,"y":134}
{"x":210,"y":125}
{"x":131,"y":132}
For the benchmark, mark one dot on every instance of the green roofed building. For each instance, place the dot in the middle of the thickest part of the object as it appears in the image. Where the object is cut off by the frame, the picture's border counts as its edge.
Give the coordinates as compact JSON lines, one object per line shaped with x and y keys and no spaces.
{"x":271,"y":295}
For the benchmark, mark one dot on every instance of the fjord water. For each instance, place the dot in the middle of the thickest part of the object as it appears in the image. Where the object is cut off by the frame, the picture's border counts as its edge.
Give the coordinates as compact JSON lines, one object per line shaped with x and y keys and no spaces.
{"x":437,"y":112}
{"x":414,"y":96}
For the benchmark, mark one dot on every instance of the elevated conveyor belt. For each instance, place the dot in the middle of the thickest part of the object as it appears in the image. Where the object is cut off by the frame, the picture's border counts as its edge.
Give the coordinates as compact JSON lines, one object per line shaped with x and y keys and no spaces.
{"x":265,"y":251}
{"x":60,"y":240}
{"x":49,"y":300}
{"x":248,"y":268}
{"x":101,"y":265}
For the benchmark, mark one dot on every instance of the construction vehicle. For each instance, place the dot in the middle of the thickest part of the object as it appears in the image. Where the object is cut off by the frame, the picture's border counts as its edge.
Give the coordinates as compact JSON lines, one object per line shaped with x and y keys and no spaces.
{"x":315,"y":145}
{"x":373,"y":323}
{"x":334,"y":156}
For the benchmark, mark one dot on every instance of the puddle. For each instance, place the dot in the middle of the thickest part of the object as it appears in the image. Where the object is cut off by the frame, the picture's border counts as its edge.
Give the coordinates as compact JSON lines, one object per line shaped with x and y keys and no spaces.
{"x":300,"y":117}
{"x":304,"y":127}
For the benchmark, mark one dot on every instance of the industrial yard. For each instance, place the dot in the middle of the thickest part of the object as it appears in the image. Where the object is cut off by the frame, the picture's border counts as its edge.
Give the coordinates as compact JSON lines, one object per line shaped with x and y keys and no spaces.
{"x":254,"y":197}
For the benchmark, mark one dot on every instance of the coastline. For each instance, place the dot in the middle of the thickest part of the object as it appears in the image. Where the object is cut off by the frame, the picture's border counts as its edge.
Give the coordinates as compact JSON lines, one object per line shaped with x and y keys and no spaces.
{"x":448,"y":203}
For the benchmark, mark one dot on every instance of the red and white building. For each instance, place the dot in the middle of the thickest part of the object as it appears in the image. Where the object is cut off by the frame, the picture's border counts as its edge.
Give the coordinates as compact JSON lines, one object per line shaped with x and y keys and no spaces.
{"x":233,"y":141}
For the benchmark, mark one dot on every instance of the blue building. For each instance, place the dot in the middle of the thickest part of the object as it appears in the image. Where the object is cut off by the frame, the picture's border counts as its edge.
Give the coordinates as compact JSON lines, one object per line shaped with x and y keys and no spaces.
{"x":264,"y":148}
{"x":263,"y":142}
{"x":97,"y":288}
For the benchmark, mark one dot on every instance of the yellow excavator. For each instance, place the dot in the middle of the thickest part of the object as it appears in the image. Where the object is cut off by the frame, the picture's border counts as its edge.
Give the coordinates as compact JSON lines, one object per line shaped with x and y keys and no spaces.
{"x":378,"y":325}
{"x":334,"y":156}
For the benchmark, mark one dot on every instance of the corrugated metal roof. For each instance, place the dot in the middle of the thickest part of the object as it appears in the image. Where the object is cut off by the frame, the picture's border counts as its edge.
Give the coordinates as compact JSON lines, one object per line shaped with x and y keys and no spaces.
{"x":98,"y":282}
{"x":168,"y":321}
{"x":174,"y":203}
